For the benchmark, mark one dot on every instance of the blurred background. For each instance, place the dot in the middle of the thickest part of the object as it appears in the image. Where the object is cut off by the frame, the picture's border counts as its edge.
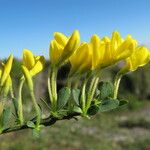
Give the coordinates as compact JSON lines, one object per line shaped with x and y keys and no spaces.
{"x":31,"y":23}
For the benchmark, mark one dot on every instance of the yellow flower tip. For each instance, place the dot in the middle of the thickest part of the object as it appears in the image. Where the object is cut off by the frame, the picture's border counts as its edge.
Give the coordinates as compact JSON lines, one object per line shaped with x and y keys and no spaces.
{"x":6,"y":70}
{"x":60,"y":38}
{"x":106,"y":39}
{"x":55,"y":52}
{"x":71,"y":47}
{"x":95,"y":39}
{"x":10,"y":60}
{"x":129,"y":36}
{"x":28,"y":59}
{"x":116,"y":34}
{"x":75,"y":38}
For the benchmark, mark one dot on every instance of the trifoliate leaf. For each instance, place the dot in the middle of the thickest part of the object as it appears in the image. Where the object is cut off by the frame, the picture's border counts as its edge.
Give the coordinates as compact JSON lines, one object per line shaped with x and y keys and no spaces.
{"x":106,"y":90}
{"x":108,"y":105}
{"x":76,"y":96}
{"x":63,"y":97}
{"x":93,"y":110}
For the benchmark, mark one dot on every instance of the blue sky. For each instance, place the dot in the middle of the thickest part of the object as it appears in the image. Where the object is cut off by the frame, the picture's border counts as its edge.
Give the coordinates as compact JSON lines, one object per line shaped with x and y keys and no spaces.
{"x":31,"y":23}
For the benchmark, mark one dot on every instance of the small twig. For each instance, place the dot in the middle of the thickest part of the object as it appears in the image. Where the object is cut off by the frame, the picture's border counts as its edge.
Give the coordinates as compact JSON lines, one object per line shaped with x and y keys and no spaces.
{"x":46,"y":122}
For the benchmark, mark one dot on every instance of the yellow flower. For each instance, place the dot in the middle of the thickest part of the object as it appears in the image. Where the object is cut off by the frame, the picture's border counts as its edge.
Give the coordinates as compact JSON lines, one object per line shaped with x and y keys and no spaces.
{"x":34,"y":64}
{"x":81,"y":60}
{"x":108,"y":51}
{"x":5,"y":71}
{"x":98,"y":49}
{"x":117,"y":49}
{"x":62,"y":47}
{"x":139,"y":58}
{"x":28,"y":77}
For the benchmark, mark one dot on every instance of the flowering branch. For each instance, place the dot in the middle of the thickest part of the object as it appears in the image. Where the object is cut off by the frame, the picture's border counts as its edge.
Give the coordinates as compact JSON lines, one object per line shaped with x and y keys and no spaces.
{"x":86,"y":61}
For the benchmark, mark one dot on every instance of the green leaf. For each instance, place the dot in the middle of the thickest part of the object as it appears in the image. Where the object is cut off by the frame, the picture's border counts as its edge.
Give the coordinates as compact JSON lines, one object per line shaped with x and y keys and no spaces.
{"x":76,"y":96}
{"x":63,"y":97}
{"x":93,"y":110}
{"x":123,"y":102}
{"x":106,"y":90}
{"x":30,"y":124}
{"x":77,"y":109}
{"x":108,"y":105}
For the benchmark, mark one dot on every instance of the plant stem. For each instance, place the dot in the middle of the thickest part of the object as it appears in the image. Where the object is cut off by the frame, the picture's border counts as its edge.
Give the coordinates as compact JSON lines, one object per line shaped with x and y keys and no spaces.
{"x":54,"y":88}
{"x":46,"y":122}
{"x":91,"y":92}
{"x":20,"y":107}
{"x":37,"y":109}
{"x":116,"y":84}
{"x":83,"y":96}
{"x":13,"y":100}
{"x":49,"y":89}
{"x":70,"y":99}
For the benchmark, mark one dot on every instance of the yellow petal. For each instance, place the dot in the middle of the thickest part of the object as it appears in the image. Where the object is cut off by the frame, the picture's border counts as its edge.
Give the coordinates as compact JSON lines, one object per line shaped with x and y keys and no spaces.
{"x":95,"y":44}
{"x":116,"y":40}
{"x":0,"y":73}
{"x":70,"y":47}
{"x":78,"y":62}
{"x":39,"y":65}
{"x":108,"y":53}
{"x":28,"y":59}
{"x":139,"y":58}
{"x":55,"y":52}
{"x":86,"y":65}
{"x":125,"y":50}
{"x":60,"y":38}
{"x":28,"y":77}
{"x":6,"y":70}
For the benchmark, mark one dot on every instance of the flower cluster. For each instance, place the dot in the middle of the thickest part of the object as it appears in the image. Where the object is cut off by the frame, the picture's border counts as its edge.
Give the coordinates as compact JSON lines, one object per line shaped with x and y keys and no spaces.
{"x":86,"y":60}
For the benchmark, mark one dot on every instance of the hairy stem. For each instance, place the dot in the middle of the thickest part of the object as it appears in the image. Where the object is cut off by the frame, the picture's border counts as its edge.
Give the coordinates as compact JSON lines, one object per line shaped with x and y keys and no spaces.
{"x":54,"y":88}
{"x":13,"y":100}
{"x":49,"y":89}
{"x":91,"y":92}
{"x":20,"y":106}
{"x":116,"y":85}
{"x":37,"y":109}
{"x":83,"y":96}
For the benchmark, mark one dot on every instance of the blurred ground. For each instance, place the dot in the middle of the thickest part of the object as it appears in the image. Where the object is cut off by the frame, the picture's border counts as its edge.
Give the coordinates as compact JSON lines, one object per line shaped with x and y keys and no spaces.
{"x":124,"y":129}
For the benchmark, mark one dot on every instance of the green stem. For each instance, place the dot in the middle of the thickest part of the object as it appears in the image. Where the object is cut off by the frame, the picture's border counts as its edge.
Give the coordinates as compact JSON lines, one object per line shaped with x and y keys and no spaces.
{"x":46,"y":122}
{"x":20,"y":106}
{"x":70,"y":99}
{"x":83,"y":96}
{"x":91,"y":92}
{"x":37,"y":109}
{"x":49,"y":89}
{"x":13,"y":100}
{"x":116,"y":85}
{"x":54,"y":88}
